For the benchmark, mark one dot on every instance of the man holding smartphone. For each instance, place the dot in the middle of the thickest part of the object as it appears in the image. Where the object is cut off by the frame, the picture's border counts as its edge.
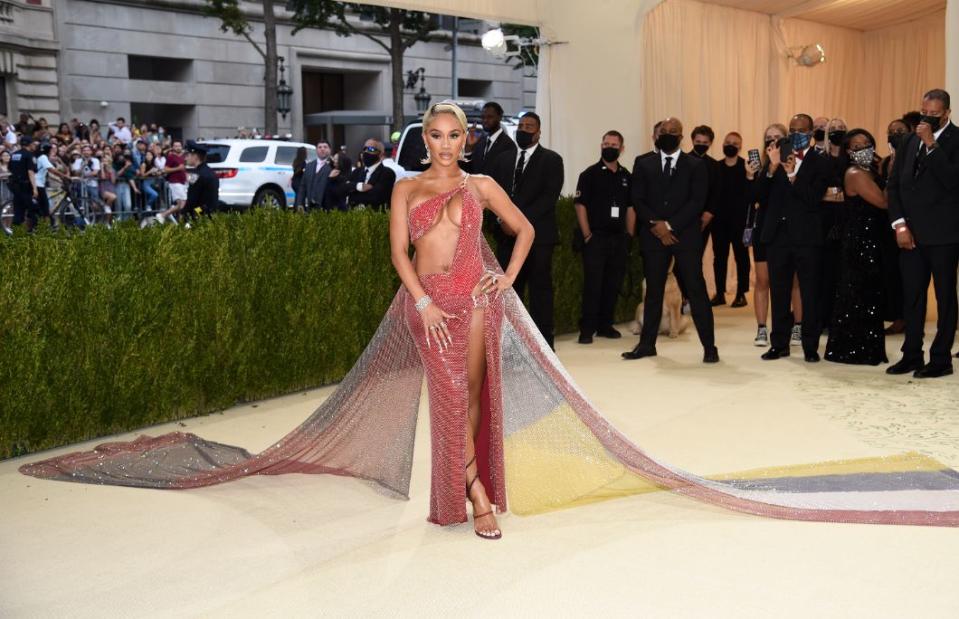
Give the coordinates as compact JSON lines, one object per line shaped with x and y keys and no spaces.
{"x":793,"y":188}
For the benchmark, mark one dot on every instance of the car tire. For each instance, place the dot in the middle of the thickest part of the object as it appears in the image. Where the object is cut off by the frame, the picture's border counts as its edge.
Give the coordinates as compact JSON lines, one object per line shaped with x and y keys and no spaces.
{"x":269,"y":198}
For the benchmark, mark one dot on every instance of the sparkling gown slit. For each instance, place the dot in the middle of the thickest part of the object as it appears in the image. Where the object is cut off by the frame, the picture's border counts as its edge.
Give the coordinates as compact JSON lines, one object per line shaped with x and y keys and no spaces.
{"x":542,"y":444}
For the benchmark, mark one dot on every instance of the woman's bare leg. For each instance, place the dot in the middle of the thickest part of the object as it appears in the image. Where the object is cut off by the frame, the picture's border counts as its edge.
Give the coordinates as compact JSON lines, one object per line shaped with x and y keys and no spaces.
{"x":475,"y":374}
{"x":796,"y":301}
{"x":761,"y":296}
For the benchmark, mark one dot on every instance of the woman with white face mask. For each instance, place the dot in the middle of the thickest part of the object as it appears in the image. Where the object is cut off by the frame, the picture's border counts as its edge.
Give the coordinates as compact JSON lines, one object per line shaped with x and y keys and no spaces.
{"x":856,"y":330}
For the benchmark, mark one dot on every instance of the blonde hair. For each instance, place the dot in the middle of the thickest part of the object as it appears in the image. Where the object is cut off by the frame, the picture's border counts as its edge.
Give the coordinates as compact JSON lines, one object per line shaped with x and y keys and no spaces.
{"x":444,"y":107}
{"x":781,"y":128}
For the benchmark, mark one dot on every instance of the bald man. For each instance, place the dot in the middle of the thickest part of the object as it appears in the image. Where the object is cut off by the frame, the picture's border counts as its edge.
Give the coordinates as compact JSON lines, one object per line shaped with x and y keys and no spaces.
{"x":669,"y":195}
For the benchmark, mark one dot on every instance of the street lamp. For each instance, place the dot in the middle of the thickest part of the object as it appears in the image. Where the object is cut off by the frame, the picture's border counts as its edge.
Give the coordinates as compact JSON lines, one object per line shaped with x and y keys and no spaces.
{"x":422,"y":97}
{"x":284,"y":93}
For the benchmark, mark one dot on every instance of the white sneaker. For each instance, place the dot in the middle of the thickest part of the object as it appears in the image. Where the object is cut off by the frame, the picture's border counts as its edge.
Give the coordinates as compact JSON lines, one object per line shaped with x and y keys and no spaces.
{"x":762,"y":337}
{"x":796,"y":338}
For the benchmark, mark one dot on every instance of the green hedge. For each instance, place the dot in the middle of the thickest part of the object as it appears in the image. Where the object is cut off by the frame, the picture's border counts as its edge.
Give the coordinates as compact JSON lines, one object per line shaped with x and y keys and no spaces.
{"x":112,"y":330}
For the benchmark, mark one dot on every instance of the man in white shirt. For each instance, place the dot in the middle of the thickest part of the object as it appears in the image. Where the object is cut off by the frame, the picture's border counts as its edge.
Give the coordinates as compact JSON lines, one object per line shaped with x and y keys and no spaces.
{"x":121,"y":132}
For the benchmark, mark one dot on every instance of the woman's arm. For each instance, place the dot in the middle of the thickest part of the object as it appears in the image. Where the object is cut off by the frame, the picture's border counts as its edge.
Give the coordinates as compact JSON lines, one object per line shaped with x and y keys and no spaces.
{"x":860,"y":183}
{"x":434,"y":318}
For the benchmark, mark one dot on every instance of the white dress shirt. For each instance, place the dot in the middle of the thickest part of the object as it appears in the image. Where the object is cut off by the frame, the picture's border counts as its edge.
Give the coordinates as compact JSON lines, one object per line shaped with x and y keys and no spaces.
{"x":369,"y":173}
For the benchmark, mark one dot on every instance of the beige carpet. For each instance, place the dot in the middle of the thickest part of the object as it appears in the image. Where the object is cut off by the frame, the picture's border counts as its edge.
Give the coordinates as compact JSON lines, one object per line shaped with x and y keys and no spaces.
{"x":310,"y":546}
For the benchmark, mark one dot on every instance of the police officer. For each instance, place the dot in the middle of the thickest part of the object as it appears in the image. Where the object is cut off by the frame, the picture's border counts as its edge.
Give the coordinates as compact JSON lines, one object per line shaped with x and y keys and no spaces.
{"x":203,"y":196}
{"x":23,"y":184}
{"x":605,"y":221}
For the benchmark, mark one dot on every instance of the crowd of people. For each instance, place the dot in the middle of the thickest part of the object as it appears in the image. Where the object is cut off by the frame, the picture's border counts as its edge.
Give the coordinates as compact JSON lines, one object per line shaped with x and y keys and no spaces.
{"x":108,"y":174}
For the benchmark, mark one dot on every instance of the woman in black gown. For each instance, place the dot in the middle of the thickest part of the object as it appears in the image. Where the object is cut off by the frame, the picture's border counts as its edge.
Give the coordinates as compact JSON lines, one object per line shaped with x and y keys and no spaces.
{"x":856,"y":333}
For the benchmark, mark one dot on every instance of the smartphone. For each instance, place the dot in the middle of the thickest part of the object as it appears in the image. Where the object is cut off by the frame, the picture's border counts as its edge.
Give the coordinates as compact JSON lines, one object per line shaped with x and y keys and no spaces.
{"x":785,"y":149}
{"x":754,"y":157}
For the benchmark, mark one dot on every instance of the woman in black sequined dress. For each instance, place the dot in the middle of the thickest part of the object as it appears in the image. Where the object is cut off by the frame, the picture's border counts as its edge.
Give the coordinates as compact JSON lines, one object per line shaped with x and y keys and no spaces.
{"x":856,"y":332}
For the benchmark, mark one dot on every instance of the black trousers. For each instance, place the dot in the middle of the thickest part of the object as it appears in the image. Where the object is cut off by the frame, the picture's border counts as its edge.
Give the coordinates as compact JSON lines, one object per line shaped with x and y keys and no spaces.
{"x":784,"y":262}
{"x":702,"y":252}
{"x":939,"y":262}
{"x":604,"y":267}
{"x":537,"y":275}
{"x":728,"y":233}
{"x":689,"y":262}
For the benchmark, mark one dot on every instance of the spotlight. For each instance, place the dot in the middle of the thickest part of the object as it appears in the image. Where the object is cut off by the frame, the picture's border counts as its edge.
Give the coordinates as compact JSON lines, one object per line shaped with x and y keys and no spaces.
{"x":494,"y":41}
{"x":811,"y":55}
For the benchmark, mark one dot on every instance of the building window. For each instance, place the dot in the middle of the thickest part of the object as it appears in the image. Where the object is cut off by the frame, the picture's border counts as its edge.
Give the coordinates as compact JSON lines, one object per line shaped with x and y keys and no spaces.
{"x":475,"y":89}
{"x":159,"y":69}
{"x":3,"y":96}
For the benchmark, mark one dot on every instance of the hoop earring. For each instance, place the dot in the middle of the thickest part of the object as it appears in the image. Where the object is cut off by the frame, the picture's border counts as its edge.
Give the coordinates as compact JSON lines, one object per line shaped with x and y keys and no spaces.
{"x":462,"y":156}
{"x":426,"y":160}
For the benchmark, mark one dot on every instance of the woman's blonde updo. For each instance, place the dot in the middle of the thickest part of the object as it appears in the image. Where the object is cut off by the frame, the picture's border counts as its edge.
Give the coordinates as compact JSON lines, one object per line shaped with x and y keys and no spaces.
{"x":443,"y":108}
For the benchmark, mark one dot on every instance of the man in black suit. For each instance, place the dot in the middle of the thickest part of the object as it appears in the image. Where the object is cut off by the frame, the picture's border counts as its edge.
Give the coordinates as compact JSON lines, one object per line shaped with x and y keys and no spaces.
{"x":537,"y":179}
{"x":483,"y":151}
{"x":792,"y":188}
{"x":669,"y":191}
{"x":703,"y":137}
{"x":924,"y":209}
{"x":371,"y":186}
{"x":316,"y":180}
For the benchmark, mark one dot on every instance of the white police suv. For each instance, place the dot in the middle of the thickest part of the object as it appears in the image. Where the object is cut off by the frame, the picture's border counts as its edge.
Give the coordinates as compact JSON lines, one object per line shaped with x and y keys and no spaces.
{"x":255,"y":172}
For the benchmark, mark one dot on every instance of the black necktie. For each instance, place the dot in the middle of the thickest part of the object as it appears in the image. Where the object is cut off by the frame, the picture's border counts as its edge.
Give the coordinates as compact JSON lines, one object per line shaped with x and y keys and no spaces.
{"x":489,"y":143}
{"x":518,"y":174}
{"x":920,"y":157}
{"x":668,"y":167}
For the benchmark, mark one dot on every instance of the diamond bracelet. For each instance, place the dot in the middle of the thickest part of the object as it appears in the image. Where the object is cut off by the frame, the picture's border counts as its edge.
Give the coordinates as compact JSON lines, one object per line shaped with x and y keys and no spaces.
{"x":423,"y":301}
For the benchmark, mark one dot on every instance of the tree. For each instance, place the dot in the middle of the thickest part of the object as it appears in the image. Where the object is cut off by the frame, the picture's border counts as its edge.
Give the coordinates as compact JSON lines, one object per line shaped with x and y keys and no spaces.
{"x":400,"y":28}
{"x":234,"y":19}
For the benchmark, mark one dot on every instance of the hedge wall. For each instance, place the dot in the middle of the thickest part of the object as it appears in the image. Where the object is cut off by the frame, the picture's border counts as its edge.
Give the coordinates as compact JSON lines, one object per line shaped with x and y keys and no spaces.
{"x":111,"y":330}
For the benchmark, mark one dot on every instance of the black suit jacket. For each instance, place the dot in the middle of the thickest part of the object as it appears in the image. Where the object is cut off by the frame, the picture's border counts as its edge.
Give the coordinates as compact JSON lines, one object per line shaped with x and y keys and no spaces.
{"x":677,"y":199}
{"x":794,"y":210}
{"x":927,"y":198}
{"x":712,"y":192}
{"x":379,"y":195}
{"x":313,"y":186}
{"x":537,"y":193}
{"x":482,"y":163}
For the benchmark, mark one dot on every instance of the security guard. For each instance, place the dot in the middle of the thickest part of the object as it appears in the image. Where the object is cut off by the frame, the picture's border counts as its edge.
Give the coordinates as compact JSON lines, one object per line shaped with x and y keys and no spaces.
{"x":605,"y":222}
{"x":203,"y":196}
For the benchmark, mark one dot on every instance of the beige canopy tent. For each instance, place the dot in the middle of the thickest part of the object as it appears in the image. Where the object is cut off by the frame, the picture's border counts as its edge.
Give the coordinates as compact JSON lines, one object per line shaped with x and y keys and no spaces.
{"x":625,"y":63}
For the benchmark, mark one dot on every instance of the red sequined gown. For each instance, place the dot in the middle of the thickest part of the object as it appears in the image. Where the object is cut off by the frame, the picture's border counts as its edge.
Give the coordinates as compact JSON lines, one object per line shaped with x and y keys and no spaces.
{"x":541,"y":441}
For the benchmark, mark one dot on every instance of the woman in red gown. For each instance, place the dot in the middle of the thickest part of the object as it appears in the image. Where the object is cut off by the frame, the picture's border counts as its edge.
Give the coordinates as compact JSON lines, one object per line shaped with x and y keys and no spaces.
{"x":456,"y":304}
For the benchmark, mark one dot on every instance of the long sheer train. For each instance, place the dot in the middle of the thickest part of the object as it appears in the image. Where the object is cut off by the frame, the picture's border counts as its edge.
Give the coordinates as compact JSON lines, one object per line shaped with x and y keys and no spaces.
{"x":548,"y":447}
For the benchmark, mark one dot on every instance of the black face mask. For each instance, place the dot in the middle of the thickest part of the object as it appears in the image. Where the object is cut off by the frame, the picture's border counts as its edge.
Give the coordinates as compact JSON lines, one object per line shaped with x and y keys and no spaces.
{"x":667,"y":142}
{"x":895,"y":140}
{"x":700,"y":149}
{"x":524,"y":139}
{"x":932,"y":121}
{"x":730,"y":150}
{"x":836,"y":137}
{"x":370,"y":159}
{"x":819,"y":135}
{"x":610,"y":154}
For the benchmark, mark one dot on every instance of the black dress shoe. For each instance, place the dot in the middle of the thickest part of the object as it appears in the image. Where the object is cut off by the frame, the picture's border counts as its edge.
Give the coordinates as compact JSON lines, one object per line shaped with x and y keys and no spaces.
{"x":717,"y":301}
{"x":904,"y":366}
{"x":812,"y":357}
{"x":740,"y":301}
{"x":775,"y":353}
{"x":609,"y":332}
{"x":585,"y":339}
{"x":932,"y":371}
{"x":639,"y":352}
{"x":711,"y":355}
